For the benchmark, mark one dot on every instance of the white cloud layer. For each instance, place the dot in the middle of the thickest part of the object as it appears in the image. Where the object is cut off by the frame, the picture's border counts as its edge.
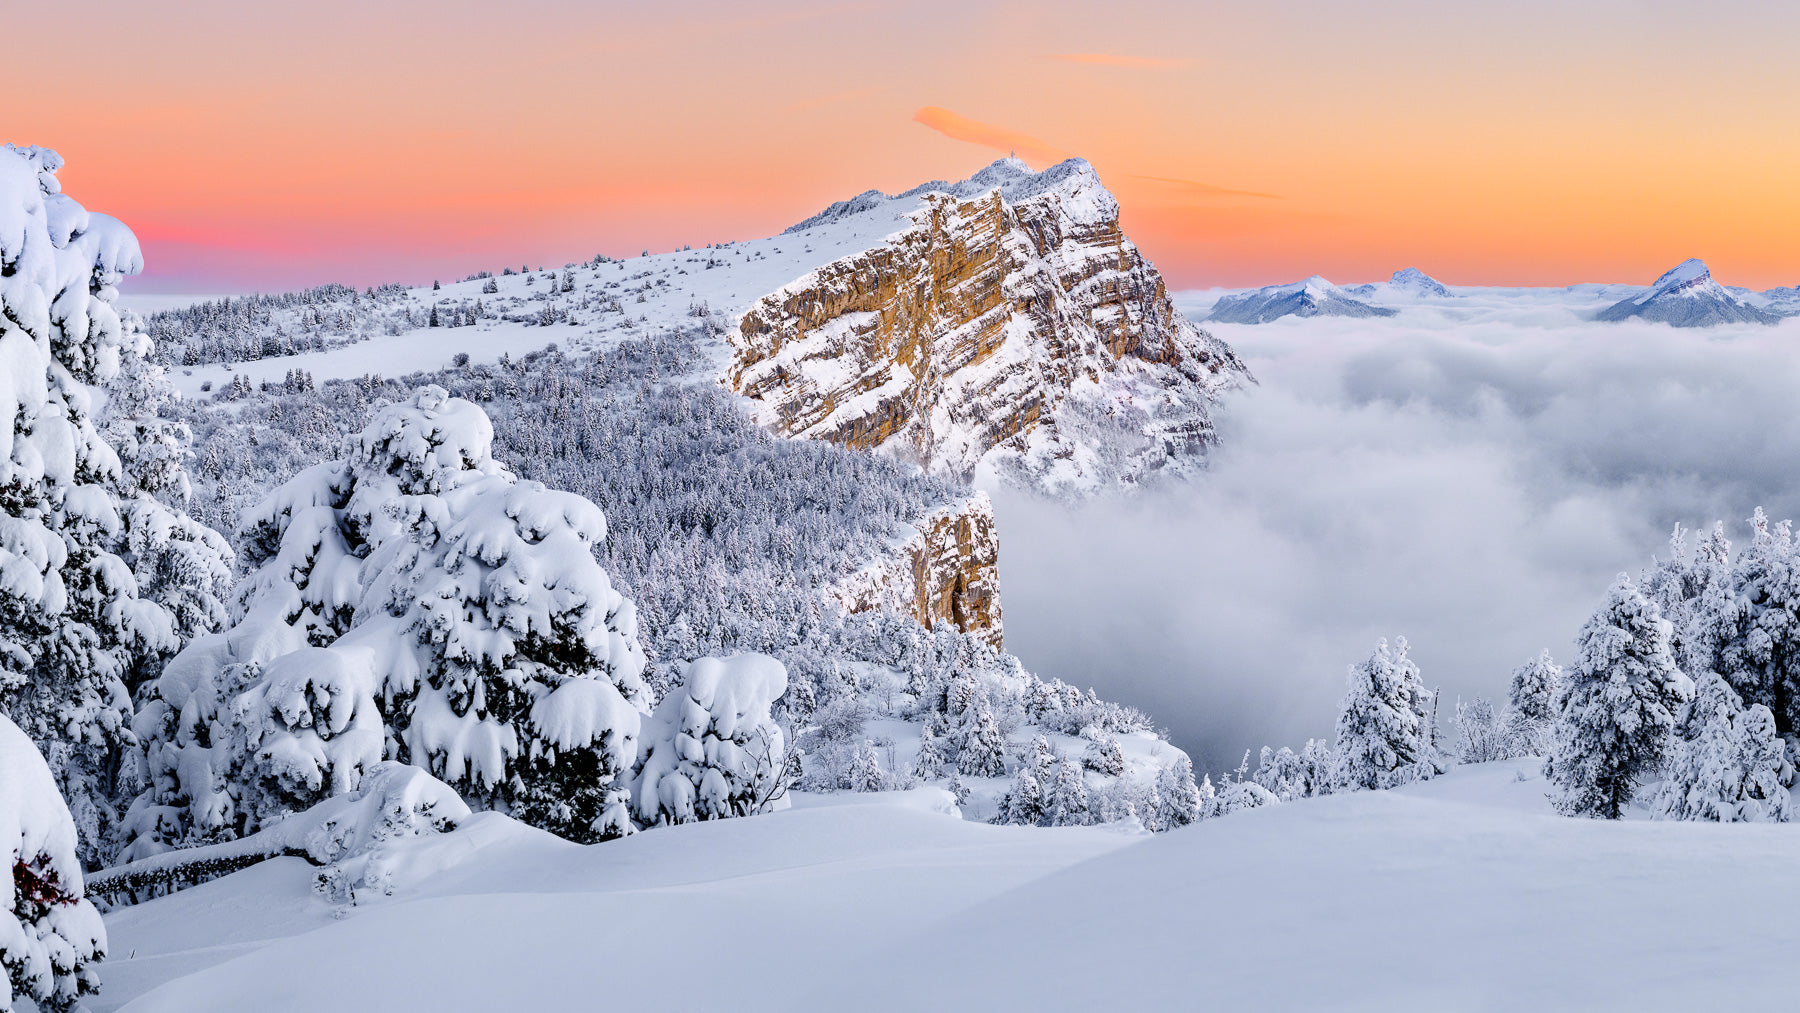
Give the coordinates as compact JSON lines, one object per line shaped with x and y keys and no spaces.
{"x":1469,"y":477}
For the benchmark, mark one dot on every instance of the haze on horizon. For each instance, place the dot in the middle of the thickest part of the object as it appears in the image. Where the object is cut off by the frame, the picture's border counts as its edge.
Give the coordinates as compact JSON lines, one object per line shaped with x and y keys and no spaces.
{"x":1537,"y":143}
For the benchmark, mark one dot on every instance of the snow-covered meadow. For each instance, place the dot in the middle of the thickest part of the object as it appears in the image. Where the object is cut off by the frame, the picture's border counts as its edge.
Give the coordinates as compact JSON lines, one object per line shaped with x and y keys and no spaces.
{"x":1471,"y":474}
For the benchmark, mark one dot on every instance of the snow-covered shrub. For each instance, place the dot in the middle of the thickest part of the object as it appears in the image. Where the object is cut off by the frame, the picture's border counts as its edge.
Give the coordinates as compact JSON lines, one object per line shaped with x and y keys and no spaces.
{"x":1103,"y":756}
{"x":1232,"y":796}
{"x":1482,"y":735}
{"x":711,"y":748}
{"x":1383,"y":738}
{"x":51,"y":936}
{"x":348,"y":835}
{"x":457,"y":619}
{"x":74,"y":627}
{"x":1617,"y":707}
{"x":1727,"y":765}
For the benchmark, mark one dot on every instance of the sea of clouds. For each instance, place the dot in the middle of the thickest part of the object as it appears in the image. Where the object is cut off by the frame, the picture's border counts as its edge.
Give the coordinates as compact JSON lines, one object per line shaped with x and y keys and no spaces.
{"x":1470,"y":475}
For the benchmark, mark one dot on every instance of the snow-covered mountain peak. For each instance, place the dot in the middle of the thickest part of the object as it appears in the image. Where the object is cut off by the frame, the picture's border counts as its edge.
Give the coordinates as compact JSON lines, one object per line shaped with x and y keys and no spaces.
{"x":1412,"y":281}
{"x":1687,"y":296}
{"x":1085,"y":198}
{"x":1692,"y":272}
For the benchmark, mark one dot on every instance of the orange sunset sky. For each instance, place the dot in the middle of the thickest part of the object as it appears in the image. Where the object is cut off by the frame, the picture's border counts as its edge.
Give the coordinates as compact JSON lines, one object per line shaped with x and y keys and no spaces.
{"x":271,"y":146}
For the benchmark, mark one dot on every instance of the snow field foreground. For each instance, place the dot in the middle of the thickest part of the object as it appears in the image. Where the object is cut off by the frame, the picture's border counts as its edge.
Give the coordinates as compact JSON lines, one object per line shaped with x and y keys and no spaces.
{"x":498,"y":916}
{"x":1461,"y":893}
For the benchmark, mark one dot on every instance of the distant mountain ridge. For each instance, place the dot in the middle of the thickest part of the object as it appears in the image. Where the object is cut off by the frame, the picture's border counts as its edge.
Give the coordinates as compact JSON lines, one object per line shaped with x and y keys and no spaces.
{"x":1314,"y":297}
{"x":1408,"y":282}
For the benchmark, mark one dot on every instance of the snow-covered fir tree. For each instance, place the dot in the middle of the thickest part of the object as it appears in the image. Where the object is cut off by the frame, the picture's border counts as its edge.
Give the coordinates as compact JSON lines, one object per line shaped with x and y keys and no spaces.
{"x":712,"y":750}
{"x":1727,"y":765}
{"x":417,"y":600}
{"x":1617,"y":708}
{"x":865,"y":769}
{"x":1178,"y":800}
{"x":928,"y":765}
{"x":1068,"y":804}
{"x":1023,"y":803}
{"x":980,"y":746}
{"x":73,"y":625}
{"x":1533,"y":694}
{"x":51,"y":938}
{"x":1382,"y":734}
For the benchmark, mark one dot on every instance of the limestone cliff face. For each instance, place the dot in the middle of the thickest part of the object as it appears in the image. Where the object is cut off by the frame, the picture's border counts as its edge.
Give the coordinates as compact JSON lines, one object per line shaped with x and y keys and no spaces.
{"x":946,"y":571}
{"x":1008,"y":325}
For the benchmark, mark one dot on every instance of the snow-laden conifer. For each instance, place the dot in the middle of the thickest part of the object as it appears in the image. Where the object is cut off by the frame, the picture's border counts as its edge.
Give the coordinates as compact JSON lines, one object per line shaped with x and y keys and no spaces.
{"x":1534,"y":688}
{"x":865,"y":769}
{"x":1068,"y":804}
{"x":1727,"y":765}
{"x":1617,"y":707}
{"x":411,"y":600}
{"x":51,"y":937}
{"x":928,"y":765}
{"x":1178,"y":800}
{"x":73,"y":624}
{"x":1382,"y":739}
{"x":982,"y":749}
{"x":711,"y":748}
{"x":1023,"y":803}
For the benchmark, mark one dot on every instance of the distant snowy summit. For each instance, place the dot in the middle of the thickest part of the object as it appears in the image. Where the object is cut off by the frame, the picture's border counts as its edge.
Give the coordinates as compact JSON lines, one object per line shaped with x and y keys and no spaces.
{"x":1689,"y":297}
{"x":1314,"y":297}
{"x":1408,"y":283}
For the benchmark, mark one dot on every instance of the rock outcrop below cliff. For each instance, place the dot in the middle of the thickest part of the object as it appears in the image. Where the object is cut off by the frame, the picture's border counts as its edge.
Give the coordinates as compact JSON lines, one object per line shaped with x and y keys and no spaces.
{"x":1009,"y":324}
{"x":946,"y":571}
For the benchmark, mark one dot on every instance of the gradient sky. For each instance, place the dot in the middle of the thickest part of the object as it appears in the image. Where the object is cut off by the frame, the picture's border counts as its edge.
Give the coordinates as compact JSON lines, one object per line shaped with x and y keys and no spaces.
{"x":271,"y":145}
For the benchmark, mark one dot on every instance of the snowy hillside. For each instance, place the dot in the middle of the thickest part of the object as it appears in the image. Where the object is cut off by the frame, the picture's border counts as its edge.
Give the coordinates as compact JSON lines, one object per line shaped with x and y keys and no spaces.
{"x":1461,"y":893}
{"x":1002,"y":322}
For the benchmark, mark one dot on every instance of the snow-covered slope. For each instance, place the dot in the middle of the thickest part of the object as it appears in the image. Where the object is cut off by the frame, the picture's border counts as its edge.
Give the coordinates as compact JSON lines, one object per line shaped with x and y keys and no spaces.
{"x":1002,"y":321}
{"x":1460,"y":893}
{"x":1687,"y":296}
{"x":1314,"y":297}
